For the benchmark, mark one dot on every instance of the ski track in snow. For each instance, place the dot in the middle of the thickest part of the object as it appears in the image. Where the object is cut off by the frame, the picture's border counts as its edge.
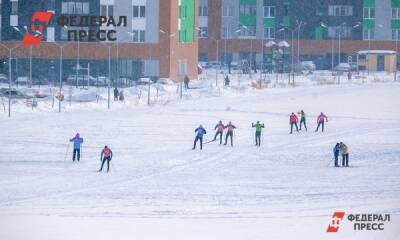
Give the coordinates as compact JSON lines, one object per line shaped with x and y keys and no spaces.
{"x":155,"y":174}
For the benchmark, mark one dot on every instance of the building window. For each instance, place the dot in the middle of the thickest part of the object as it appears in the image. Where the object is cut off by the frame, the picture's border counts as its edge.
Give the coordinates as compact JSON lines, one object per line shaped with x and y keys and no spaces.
{"x":368,"y":34}
{"x":183,"y":11}
{"x":14,"y":8}
{"x":369,"y":13}
{"x":342,"y":31}
{"x":139,"y":11}
{"x":340,"y":10}
{"x":248,"y":10}
{"x":64,"y":32}
{"x":268,"y":32}
{"x":225,"y":32}
{"x":107,"y":10}
{"x":182,"y":36}
{"x":395,"y":34}
{"x":395,"y":13}
{"x":203,"y":32}
{"x":247,"y":31}
{"x":227,"y":11}
{"x":139,"y":36}
{"x":269,"y":11}
{"x":203,"y":11}
{"x":75,"y":8}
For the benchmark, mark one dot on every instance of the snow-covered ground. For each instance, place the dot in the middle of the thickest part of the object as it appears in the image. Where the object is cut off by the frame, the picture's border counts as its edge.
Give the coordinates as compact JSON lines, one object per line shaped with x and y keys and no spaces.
{"x":158,"y":188}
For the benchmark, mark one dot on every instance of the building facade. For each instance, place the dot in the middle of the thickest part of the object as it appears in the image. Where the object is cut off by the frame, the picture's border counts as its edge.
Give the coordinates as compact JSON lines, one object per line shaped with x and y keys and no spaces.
{"x":325,"y":31}
{"x":159,"y":39}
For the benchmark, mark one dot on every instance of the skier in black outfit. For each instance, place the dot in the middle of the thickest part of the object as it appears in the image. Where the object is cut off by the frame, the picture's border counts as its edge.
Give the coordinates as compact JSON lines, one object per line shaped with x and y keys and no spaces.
{"x":106,"y":155}
{"x":302,"y":119}
{"x":116,"y":94}
{"x":336,"y":151}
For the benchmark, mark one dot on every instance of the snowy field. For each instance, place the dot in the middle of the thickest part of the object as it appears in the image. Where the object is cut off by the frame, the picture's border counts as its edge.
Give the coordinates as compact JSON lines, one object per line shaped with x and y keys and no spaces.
{"x":158,"y":188}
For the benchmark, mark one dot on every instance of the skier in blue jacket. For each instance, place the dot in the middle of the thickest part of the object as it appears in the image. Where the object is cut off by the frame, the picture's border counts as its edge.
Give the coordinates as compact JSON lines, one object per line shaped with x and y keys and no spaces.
{"x":77,"y":140}
{"x":336,"y":151}
{"x":200,"y":132}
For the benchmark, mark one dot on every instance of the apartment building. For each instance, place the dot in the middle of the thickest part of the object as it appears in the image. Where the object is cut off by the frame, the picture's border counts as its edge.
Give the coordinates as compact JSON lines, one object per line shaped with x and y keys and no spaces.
{"x":326,"y":31}
{"x":159,"y":39}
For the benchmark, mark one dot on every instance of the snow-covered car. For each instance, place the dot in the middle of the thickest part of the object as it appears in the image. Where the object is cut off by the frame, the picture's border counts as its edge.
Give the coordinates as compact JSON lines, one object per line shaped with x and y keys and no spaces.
{"x":80,"y":80}
{"x":346,"y":67}
{"x":22,"y":80}
{"x":143,"y":81}
{"x":164,"y":81}
{"x":305,"y":66}
{"x":213,"y":64}
{"x":13,"y":93}
{"x":100,"y":81}
{"x":3,"y":78}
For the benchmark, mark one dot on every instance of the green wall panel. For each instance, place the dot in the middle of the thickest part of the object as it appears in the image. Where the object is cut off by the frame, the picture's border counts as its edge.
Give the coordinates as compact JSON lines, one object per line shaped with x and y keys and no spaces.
{"x":395,"y":3}
{"x":395,"y":24}
{"x":369,"y":23}
{"x":248,"y":2}
{"x":187,"y":22}
{"x":247,"y":20}
{"x":269,"y":22}
{"x":369,"y":3}
{"x":319,"y":33}
{"x":286,"y":21}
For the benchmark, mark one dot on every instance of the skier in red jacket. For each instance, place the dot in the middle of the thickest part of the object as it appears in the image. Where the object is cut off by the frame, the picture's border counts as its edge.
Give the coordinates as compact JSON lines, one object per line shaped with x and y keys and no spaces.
{"x":293,"y":121}
{"x":230,"y":128}
{"x":321,"y":121}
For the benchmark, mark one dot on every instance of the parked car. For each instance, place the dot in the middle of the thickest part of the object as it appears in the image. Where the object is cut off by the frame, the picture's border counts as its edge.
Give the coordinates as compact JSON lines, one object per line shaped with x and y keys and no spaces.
{"x":305,"y":66}
{"x":80,"y":80}
{"x":100,"y":81}
{"x":22,"y":80}
{"x":13,"y":93}
{"x":213,"y":64}
{"x":3,"y":78}
{"x":164,"y":81}
{"x":346,"y":67}
{"x":143,"y":81}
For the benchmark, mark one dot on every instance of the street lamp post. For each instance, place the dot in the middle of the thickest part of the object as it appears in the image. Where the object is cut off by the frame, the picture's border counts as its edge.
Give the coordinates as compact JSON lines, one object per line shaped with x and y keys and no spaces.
{"x":9,"y":75}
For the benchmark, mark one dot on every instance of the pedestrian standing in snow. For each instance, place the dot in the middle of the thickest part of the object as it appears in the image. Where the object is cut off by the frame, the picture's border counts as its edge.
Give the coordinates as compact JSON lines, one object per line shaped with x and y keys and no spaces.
{"x":336,"y":151}
{"x":106,"y":155}
{"x":344,"y":150}
{"x":302,"y":119}
{"x":220,"y":129}
{"x":258,"y":127}
{"x":186,"y":80}
{"x":321,"y":121}
{"x":116,"y":94}
{"x":230,"y":128}
{"x":199,"y":137}
{"x":77,"y":140}
{"x":121,"y":96}
{"x":293,"y":119}
{"x":349,"y":76}
{"x":227,"y":81}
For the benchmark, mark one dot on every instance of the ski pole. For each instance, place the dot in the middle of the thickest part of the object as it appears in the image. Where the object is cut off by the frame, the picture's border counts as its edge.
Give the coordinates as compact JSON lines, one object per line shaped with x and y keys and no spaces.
{"x":66,"y":153}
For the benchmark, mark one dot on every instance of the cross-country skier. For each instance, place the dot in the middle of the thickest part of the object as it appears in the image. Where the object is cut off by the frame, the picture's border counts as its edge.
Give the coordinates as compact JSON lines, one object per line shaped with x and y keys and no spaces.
{"x":302,"y":119}
{"x":77,"y":140}
{"x":336,"y":151}
{"x":344,"y":150}
{"x":106,"y":155}
{"x":293,"y":119}
{"x":200,"y":132}
{"x":220,"y":129}
{"x":258,"y":127}
{"x":230,"y":128}
{"x":321,"y":121}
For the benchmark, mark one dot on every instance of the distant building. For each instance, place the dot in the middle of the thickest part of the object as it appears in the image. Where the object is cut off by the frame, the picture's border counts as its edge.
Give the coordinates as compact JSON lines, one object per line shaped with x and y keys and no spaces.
{"x":160,"y":39}
{"x":242,"y":27}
